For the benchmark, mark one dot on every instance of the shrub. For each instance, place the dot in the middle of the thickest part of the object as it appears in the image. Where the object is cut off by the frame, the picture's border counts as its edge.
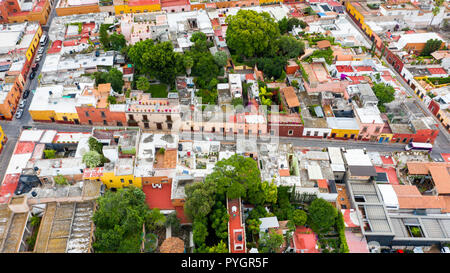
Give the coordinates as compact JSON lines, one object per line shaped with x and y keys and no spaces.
{"x":49,"y":154}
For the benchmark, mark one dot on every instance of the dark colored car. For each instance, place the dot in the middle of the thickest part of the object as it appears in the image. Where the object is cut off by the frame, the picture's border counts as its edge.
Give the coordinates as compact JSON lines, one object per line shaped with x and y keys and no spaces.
{"x":35,"y":67}
{"x":97,"y":53}
{"x":32,"y":74}
{"x":26,"y":93}
{"x":19,"y":113}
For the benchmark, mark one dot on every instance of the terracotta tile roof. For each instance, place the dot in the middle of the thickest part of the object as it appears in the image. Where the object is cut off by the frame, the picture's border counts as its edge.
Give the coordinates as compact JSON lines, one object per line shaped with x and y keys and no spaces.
{"x":437,"y":71}
{"x":423,"y":202}
{"x":446,"y":201}
{"x":423,"y":167}
{"x":441,"y":178}
{"x":344,"y":68}
{"x":172,"y":245}
{"x":323,"y":44}
{"x":322,"y":183}
{"x":305,"y":240}
{"x":284,"y":173}
{"x":363,"y":68}
{"x":104,"y":88}
{"x":290,"y":96}
{"x":406,"y":191}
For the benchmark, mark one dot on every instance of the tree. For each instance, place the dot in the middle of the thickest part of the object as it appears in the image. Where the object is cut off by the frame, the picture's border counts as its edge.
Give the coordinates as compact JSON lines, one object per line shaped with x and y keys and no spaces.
{"x":119,"y":220}
{"x":221,"y":58}
{"x":157,"y":60}
{"x":251,"y":33}
{"x":322,"y":215}
{"x":112,"y":100}
{"x":221,"y":247}
{"x":326,"y":54}
{"x":270,"y":242}
{"x":237,"y":101}
{"x":173,"y":221}
{"x":199,"y":200}
{"x":283,"y":25}
{"x":95,"y":145}
{"x":293,"y":22}
{"x":219,"y":220}
{"x":270,"y":192}
{"x":291,"y":47}
{"x":104,"y":36}
{"x":117,"y":41}
{"x":384,"y":93}
{"x":155,"y":219}
{"x":200,"y":231}
{"x":188,"y":62}
{"x":60,"y":180}
{"x":283,"y":209}
{"x":234,"y":176}
{"x":142,"y":84}
{"x":92,"y":159}
{"x":431,"y":46}
{"x":265,"y":96}
{"x":253,"y":226}
{"x":299,"y":217}
{"x":272,"y":67}
{"x":50,"y":154}
{"x":115,"y":77}
{"x":436,"y":9}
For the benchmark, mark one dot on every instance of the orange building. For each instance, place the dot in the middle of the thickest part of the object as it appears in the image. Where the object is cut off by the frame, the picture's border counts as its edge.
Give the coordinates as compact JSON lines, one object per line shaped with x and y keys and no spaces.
{"x":70,"y":7}
{"x":10,"y":96}
{"x":12,"y":13}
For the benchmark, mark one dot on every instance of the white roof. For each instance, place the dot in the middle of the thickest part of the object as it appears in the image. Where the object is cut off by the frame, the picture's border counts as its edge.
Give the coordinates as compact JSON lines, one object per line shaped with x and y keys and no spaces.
{"x":357,"y":157}
{"x":269,"y":222}
{"x":31,"y":135}
{"x":342,"y":123}
{"x":70,"y":137}
{"x":314,"y":172}
{"x":415,"y":38}
{"x":83,"y":146}
{"x":316,"y":155}
{"x":389,"y":196}
{"x":48,"y":136}
{"x":369,"y":115}
{"x":254,"y":119}
{"x":335,"y":155}
{"x":17,"y":163}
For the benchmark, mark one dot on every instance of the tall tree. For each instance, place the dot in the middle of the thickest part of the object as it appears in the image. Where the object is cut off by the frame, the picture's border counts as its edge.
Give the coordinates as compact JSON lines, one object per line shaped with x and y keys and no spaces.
{"x":252,"y":34}
{"x":384,"y":93}
{"x":199,"y":199}
{"x":188,"y":62}
{"x":115,"y":77}
{"x":219,"y":220}
{"x":142,"y":83}
{"x":270,"y":242}
{"x":155,"y":219}
{"x":117,"y":41}
{"x":119,"y":220}
{"x":322,"y":215}
{"x":431,"y":46}
{"x":221,"y":58}
{"x":299,"y":217}
{"x":291,"y":47}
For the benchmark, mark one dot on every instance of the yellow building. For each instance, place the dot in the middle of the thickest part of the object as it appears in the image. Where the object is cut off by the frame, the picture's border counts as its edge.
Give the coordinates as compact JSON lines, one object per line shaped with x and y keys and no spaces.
{"x":34,"y":44}
{"x":354,"y":9}
{"x":343,"y":127}
{"x":3,"y":138}
{"x":138,"y":6}
{"x":270,"y":1}
{"x":115,"y":175}
{"x":385,"y":138}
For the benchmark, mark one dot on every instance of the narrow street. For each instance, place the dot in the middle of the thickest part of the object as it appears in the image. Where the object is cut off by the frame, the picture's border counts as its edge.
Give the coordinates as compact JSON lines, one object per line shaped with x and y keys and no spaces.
{"x":443,"y":139}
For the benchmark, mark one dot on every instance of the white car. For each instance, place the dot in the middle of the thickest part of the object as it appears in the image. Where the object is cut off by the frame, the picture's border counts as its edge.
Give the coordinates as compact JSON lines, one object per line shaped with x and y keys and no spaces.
{"x":38,"y":58}
{"x":41,"y":50}
{"x":22,"y":103}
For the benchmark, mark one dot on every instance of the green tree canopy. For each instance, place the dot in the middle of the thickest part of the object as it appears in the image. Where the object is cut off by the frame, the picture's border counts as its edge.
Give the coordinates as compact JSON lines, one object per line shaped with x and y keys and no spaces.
{"x":199,"y":199}
{"x":117,"y":41}
{"x":200,"y":231}
{"x":157,"y":60}
{"x":155,"y":219}
{"x":142,"y":83}
{"x":219,"y":220}
{"x":270,"y":242}
{"x":384,"y":93}
{"x":115,"y":77}
{"x":431,"y":46}
{"x":299,"y":217}
{"x":251,"y":33}
{"x":92,"y":159}
{"x":95,"y":145}
{"x":119,"y":220}
{"x":291,"y":47}
{"x":221,"y":58}
{"x":322,"y":215}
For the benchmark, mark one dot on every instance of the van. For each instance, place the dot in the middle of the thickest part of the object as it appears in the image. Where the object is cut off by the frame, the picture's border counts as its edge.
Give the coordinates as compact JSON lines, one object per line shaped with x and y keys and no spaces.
{"x":44,"y":39}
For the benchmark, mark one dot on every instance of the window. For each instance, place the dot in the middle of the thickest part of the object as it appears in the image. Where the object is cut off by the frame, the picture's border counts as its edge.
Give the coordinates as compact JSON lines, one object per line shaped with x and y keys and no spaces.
{"x":90,"y":122}
{"x":249,"y":132}
{"x":259,"y":132}
{"x":119,"y":123}
{"x":405,"y":139}
{"x":103,"y":114}
{"x":169,"y":126}
{"x":130,"y":182}
{"x":345,"y":135}
{"x":146,"y":125}
{"x":364,"y":129}
{"x":352,"y":136}
{"x":65,"y":118}
{"x":159,"y":125}
{"x":316,"y":133}
{"x":105,"y":122}
{"x":290,"y":132}
{"x":377,"y":129}
{"x":131,"y":117}
{"x":222,"y":130}
{"x":144,"y":117}
{"x":308,"y":133}
{"x":121,"y":180}
{"x":272,"y":132}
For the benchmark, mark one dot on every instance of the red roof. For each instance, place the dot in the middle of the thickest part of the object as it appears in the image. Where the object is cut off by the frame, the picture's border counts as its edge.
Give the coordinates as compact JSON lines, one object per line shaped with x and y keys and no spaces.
{"x":235,"y":226}
{"x":24,"y":148}
{"x":391,"y":174}
{"x":446,"y":157}
{"x":387,"y":161}
{"x":363,"y":68}
{"x":305,"y":240}
{"x":174,"y":3}
{"x":347,"y":219}
{"x":344,"y":68}
{"x":159,"y":198}
{"x":180,"y":214}
{"x":249,"y":77}
{"x":75,"y":42}
{"x":410,"y":32}
{"x":8,"y":187}
{"x":142,"y":2}
{"x":356,"y":79}
{"x":92,"y":173}
{"x":284,"y":172}
{"x":56,"y":47}
{"x":322,"y":183}
{"x":87,"y":27}
{"x":437,"y":71}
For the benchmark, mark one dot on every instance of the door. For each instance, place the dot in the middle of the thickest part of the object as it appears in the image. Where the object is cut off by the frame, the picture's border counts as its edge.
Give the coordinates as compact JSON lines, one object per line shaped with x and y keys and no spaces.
{"x":381,"y":140}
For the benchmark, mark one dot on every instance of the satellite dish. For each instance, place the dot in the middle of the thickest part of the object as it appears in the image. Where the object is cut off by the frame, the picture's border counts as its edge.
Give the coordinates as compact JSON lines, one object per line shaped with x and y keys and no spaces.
{"x":34,"y":194}
{"x":374,"y":247}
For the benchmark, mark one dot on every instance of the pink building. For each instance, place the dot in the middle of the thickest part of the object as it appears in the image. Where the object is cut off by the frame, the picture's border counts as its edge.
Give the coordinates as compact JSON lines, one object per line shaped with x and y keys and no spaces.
{"x":370,"y":123}
{"x":171,"y":6}
{"x":140,"y":31}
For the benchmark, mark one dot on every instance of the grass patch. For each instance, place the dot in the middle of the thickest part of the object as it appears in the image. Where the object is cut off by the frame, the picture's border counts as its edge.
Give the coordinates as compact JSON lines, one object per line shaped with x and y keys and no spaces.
{"x":158,"y":90}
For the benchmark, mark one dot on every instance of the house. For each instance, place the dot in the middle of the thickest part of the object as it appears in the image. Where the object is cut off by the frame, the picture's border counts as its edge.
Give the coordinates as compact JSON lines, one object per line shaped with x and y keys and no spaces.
{"x":290,"y":99}
{"x":287,"y":125}
{"x":324,"y":44}
{"x":234,"y":80}
{"x":369,"y":121}
{"x":16,"y":11}
{"x":268,"y":223}
{"x":70,"y":7}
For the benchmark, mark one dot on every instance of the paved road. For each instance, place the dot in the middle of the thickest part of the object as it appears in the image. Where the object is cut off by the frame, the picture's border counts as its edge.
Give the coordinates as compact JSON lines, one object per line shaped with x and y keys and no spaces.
{"x":443,"y":139}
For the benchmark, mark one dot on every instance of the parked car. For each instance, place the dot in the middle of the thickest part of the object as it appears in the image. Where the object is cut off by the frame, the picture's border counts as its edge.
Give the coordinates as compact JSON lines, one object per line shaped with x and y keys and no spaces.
{"x":97,"y":53}
{"x":32,"y":74}
{"x":38,"y":58}
{"x":22,"y":103}
{"x":19,"y":113}
{"x":26,"y":93}
{"x":445,"y":249}
{"x":41,"y":50}
{"x":35,"y":67}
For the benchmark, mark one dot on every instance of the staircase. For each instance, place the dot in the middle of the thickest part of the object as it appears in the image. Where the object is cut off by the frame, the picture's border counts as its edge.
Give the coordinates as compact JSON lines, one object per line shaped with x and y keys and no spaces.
{"x":81,"y":229}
